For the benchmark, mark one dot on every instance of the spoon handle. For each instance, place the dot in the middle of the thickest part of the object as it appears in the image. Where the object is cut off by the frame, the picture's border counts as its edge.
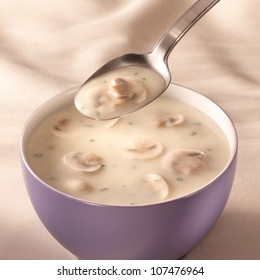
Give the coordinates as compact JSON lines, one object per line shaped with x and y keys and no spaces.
{"x":179,"y":29}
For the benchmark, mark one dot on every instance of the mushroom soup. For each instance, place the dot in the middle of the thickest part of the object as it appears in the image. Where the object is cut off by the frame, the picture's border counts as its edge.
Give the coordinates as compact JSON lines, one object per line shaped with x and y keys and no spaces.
{"x":105,"y":96}
{"x":164,"y":151}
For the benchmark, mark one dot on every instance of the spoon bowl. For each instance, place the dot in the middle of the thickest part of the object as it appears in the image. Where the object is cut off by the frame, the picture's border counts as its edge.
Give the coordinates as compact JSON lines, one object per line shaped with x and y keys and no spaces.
{"x":100,"y":105}
{"x":133,"y":61}
{"x":140,"y":60}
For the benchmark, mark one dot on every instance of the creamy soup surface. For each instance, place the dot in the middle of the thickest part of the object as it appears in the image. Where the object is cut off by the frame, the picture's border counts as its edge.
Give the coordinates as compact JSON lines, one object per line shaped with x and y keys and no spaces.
{"x":164,"y":151}
{"x":118,"y":92}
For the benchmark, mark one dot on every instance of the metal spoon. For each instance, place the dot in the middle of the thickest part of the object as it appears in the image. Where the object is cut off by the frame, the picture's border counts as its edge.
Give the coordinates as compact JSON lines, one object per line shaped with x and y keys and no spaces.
{"x":156,"y":60}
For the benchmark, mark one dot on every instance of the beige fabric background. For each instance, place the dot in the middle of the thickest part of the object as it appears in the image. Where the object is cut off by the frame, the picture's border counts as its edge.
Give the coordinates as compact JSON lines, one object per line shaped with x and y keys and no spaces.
{"x":49,"y":46}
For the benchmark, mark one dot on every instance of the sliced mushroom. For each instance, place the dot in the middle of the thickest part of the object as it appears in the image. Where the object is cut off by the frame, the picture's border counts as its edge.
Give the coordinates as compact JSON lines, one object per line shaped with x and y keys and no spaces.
{"x":86,"y":162}
{"x":167,"y":120}
{"x":125,"y":89}
{"x":65,"y":128}
{"x":92,"y":100}
{"x":184,"y":160}
{"x":157,"y":185}
{"x":143,"y":149}
{"x":76,"y":186}
{"x":99,"y":98}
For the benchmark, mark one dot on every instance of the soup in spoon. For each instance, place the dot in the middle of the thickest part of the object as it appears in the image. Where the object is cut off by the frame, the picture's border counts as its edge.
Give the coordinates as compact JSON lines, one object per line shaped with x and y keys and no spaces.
{"x":119,"y":91}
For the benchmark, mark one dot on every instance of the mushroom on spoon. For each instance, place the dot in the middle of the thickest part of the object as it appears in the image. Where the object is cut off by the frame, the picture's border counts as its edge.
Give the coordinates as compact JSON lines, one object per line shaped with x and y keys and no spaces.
{"x":116,"y":89}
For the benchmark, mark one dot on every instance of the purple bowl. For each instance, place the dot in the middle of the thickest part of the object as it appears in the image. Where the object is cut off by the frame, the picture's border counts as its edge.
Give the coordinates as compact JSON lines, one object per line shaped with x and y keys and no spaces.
{"x":166,"y":230}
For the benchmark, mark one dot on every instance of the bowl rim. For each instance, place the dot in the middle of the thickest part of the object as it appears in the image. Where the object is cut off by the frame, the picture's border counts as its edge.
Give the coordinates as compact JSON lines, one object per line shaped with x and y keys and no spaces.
{"x":73,"y":90}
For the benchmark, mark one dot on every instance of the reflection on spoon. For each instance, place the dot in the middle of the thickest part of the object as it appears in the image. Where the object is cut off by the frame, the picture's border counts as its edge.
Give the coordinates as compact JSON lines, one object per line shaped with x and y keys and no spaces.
{"x":130,"y":82}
